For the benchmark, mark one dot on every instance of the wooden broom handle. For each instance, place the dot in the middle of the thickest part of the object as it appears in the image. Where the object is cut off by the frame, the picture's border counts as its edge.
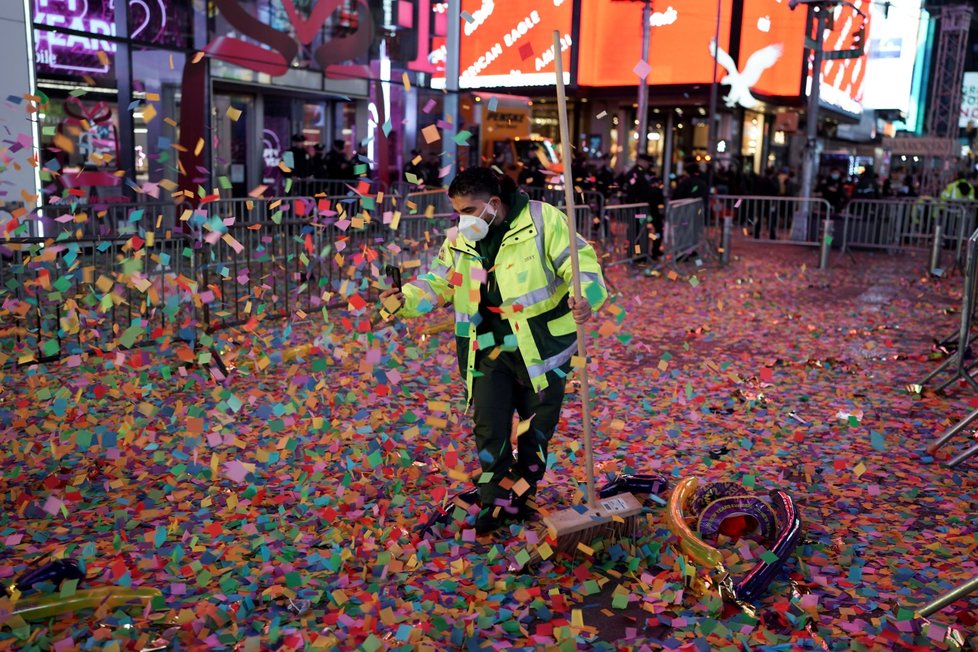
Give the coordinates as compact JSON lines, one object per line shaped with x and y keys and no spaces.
{"x":565,"y":154}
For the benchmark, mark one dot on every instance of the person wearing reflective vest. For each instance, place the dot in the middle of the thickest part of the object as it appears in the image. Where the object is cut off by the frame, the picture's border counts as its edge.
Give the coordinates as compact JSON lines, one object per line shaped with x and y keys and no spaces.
{"x":507,"y":270}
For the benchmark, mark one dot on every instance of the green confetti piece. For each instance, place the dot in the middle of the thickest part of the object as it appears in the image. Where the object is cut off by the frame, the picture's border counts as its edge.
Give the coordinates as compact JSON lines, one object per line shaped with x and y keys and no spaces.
{"x":50,"y":347}
{"x":130,"y":335}
{"x":694,"y":281}
{"x":486,"y":341}
{"x":375,"y":459}
{"x":462,"y":137}
{"x":593,"y":293}
{"x":620,"y":601}
{"x":769,"y":558}
{"x":293,"y":579}
{"x":523,"y":558}
{"x":68,"y":588}
{"x":372,"y":644}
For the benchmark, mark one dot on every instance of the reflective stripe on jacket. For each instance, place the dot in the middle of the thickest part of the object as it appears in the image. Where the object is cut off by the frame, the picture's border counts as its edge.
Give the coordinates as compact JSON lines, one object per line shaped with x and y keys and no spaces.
{"x":533,"y":270}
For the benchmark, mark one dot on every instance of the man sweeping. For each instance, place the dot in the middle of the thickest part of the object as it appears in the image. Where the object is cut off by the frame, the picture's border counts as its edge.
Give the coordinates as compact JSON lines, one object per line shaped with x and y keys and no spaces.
{"x":507,"y":271}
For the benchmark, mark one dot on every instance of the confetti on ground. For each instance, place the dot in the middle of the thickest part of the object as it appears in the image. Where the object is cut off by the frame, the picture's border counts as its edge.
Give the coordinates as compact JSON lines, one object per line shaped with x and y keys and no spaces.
{"x":277,"y":509}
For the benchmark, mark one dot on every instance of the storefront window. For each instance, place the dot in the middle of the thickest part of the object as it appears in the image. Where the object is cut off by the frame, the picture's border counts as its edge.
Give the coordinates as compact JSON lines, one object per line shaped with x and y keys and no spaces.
{"x":80,"y":146}
{"x":161,"y":22}
{"x":752,"y":142}
{"x":231,"y":117}
{"x":70,"y":56}
{"x":157,"y":76}
{"x":59,"y":53}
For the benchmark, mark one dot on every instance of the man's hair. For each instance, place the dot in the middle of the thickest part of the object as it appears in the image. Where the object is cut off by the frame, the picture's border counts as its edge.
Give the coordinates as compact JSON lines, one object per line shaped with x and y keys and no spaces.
{"x":475,"y":181}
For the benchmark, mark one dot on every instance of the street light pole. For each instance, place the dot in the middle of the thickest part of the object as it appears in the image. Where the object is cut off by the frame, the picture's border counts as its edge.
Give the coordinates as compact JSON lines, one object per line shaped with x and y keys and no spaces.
{"x":711,"y":132}
{"x":643,"y":85}
{"x":810,"y":164}
{"x":454,"y":38}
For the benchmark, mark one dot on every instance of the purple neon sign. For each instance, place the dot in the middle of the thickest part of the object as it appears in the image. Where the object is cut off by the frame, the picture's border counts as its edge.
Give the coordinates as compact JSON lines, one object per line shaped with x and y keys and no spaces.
{"x":150,"y":21}
{"x":70,"y":54}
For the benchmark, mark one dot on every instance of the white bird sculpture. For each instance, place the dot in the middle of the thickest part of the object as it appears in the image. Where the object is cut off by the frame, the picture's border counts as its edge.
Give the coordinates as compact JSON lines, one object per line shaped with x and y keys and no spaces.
{"x":740,"y":82}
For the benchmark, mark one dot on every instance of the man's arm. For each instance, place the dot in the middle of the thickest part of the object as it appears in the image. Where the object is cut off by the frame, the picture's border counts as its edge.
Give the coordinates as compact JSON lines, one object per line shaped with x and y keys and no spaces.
{"x":431,"y":289}
{"x":557,"y":243}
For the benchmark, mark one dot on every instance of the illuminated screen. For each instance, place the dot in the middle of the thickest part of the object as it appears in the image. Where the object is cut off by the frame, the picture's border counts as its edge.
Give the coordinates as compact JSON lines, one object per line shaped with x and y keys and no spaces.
{"x":510,"y":44}
{"x":771,"y":24}
{"x":681,"y":32}
{"x":892,"y":53}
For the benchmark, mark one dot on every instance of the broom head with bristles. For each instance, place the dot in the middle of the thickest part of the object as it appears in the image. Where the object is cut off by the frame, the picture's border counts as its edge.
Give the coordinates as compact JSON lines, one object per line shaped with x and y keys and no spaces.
{"x":612,"y":517}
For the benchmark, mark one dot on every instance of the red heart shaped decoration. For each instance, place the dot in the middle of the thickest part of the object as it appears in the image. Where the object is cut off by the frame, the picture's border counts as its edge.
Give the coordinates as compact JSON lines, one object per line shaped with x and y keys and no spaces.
{"x":305,"y":30}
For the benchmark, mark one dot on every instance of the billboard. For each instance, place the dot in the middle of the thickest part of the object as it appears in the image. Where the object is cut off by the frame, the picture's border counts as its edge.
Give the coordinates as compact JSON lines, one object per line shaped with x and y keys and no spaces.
{"x":770,"y":26}
{"x":679,"y":42}
{"x":969,"y":100}
{"x":508,"y":44}
{"x":892,"y":53}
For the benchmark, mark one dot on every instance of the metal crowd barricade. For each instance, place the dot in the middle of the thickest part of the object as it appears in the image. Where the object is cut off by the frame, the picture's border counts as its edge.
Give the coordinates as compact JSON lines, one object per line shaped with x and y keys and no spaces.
{"x":959,"y":360}
{"x":551,"y":195}
{"x":157,"y":271}
{"x":630,"y":234}
{"x":796,"y":220}
{"x":354,"y":194}
{"x":425,"y":202}
{"x":414,"y":243}
{"x":685,"y":229}
{"x":259,"y":257}
{"x":65,"y":298}
{"x":903,"y":224}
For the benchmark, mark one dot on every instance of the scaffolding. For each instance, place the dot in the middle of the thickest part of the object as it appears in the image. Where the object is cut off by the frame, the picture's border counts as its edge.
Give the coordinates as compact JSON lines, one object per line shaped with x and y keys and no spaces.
{"x":945,"y":104}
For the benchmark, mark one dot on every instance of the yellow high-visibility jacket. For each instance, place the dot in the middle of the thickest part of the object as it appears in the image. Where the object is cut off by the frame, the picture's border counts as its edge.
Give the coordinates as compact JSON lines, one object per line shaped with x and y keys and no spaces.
{"x":533,"y":271}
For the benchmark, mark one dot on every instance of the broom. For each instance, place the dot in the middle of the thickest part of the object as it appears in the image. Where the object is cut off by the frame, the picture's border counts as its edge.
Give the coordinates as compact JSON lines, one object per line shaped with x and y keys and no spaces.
{"x":575,"y":528}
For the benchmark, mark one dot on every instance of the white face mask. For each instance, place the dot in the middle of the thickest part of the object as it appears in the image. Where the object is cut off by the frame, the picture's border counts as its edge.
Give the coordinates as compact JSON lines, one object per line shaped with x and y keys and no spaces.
{"x":473,"y":227}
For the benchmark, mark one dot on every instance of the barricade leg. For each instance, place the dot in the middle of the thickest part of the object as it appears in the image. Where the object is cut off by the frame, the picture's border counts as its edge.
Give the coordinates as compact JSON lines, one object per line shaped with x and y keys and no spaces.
{"x":935,"y":251}
{"x":963,"y":456}
{"x":823,"y":262}
{"x":727,"y":236}
{"x":951,"y":596}
{"x":951,"y":432}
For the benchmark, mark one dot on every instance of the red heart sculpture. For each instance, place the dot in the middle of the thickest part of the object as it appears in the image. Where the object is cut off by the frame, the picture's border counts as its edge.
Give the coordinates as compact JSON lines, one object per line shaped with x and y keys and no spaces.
{"x":306,"y":30}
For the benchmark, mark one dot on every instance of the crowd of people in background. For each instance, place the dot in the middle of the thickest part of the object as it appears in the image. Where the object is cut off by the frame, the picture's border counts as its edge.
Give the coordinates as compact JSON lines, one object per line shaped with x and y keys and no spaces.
{"x":641,"y":182}
{"x":322,"y":164}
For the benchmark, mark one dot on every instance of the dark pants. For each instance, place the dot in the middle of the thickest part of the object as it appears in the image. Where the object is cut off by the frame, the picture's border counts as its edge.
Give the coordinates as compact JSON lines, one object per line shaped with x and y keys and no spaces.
{"x":503,"y":387}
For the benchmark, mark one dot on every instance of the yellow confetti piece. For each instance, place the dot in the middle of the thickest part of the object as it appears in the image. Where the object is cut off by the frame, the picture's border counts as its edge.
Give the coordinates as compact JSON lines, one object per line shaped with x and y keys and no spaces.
{"x":233,"y":113}
{"x":546,"y":552}
{"x":587,"y":550}
{"x":149,"y":113}
{"x":406,"y":81}
{"x":64,"y":143}
{"x":577,"y":618}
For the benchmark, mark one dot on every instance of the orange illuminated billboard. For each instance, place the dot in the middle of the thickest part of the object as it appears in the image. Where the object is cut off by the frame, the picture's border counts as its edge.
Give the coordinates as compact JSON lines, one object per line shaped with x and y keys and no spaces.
{"x":506,"y":44}
{"x":771,"y":24}
{"x":680,"y":36}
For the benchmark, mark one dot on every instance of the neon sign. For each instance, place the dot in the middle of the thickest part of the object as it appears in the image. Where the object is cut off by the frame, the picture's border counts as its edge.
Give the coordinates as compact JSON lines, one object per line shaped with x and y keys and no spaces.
{"x":58,"y":52}
{"x":68,"y":53}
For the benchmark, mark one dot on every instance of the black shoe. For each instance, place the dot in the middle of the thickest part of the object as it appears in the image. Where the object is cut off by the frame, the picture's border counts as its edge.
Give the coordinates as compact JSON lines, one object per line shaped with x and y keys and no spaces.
{"x":486,"y":522}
